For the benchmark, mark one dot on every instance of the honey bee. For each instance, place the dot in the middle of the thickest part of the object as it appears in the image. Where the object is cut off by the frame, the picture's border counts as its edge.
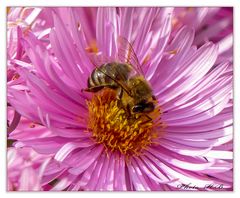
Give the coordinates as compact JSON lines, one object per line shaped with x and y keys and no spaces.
{"x":126,"y":77}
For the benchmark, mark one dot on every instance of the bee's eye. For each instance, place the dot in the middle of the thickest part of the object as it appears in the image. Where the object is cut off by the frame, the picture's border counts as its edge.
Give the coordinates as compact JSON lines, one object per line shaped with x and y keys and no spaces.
{"x":143,"y":108}
{"x":149,"y":107}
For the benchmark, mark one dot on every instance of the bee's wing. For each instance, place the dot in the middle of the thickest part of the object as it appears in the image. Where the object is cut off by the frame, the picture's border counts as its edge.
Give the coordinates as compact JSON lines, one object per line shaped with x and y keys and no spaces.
{"x":126,"y":54}
{"x":99,"y":59}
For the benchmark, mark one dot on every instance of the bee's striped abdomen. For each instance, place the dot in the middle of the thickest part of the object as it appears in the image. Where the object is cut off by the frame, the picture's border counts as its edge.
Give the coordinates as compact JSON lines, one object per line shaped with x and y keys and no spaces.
{"x":107,"y":75}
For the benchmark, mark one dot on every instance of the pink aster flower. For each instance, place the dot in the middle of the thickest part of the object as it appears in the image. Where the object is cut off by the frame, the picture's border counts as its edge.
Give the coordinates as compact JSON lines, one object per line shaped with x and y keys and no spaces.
{"x":25,"y":169}
{"x":26,"y":19}
{"x":24,"y":162}
{"x":210,"y":23}
{"x":187,"y":144}
{"x":21,"y":20}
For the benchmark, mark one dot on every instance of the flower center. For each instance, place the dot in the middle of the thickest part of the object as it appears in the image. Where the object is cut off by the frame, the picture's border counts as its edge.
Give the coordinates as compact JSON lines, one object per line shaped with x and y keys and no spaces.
{"x":113,"y":127}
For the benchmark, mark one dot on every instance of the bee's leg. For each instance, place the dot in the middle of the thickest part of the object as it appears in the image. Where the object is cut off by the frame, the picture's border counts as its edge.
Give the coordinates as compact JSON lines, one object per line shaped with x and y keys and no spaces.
{"x":119,"y":93}
{"x":98,"y":88}
{"x":148,"y":118}
{"x":127,"y":110}
{"x":93,"y":89}
{"x":119,"y":97}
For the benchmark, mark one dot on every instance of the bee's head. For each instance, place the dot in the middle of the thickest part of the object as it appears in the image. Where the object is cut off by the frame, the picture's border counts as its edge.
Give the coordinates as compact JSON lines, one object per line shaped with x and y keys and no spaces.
{"x":141,"y":93}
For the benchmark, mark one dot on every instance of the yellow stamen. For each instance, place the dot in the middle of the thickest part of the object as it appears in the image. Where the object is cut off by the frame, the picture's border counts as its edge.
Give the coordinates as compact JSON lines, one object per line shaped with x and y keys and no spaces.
{"x":173,"y":51}
{"x":177,"y":20}
{"x":189,"y":9}
{"x":176,"y":23}
{"x":146,"y":59}
{"x":32,"y":125}
{"x":111,"y":126}
{"x":25,"y":26}
{"x":92,"y":47}
{"x":8,"y":10}
{"x":15,"y":76}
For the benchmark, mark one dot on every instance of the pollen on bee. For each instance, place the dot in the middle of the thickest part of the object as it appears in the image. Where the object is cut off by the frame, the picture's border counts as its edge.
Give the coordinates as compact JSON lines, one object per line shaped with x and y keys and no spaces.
{"x":111,"y":126}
